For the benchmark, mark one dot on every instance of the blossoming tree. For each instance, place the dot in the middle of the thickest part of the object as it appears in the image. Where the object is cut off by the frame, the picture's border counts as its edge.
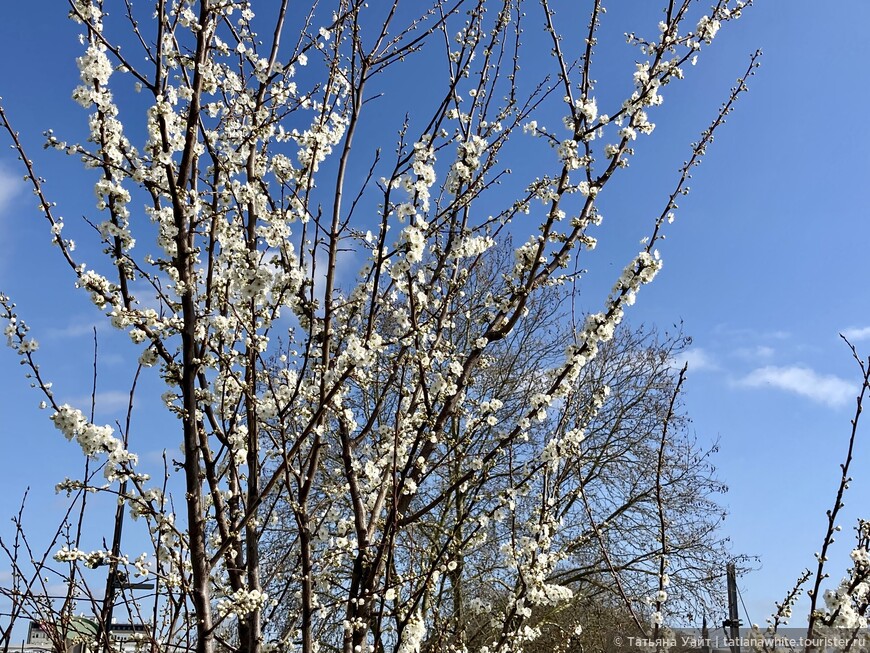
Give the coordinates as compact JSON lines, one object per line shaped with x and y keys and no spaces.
{"x":329,"y":319}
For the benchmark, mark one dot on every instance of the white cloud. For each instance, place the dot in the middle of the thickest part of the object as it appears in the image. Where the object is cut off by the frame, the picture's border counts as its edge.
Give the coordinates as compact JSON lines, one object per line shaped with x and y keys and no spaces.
{"x":10,"y":185}
{"x":745,"y":333}
{"x":344,"y":273}
{"x":697,"y":358}
{"x":822,"y":388}
{"x":154,"y":456}
{"x":76,"y":329}
{"x":112,"y":400}
{"x":854,"y":334}
{"x":106,"y":402}
{"x":754,"y":353}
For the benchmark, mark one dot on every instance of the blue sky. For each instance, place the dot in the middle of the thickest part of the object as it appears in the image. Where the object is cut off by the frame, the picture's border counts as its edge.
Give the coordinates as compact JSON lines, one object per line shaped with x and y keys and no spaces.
{"x":764,"y":266}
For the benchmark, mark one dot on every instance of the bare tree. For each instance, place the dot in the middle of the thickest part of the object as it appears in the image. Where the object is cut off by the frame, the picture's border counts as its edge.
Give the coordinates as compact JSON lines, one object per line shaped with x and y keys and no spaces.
{"x":367,"y":403}
{"x":608,"y":501}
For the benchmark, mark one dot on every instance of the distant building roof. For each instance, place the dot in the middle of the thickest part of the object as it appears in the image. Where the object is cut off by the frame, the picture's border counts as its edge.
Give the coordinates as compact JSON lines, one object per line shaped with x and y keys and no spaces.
{"x":80,"y":631}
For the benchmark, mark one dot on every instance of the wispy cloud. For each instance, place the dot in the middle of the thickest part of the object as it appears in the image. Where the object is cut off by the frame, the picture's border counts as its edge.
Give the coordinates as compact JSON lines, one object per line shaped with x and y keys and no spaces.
{"x":745,"y":333}
{"x":696,"y":357}
{"x":854,"y":334}
{"x":821,"y":388}
{"x":10,"y":186}
{"x":344,"y":274}
{"x":106,"y":402}
{"x":755,"y":353}
{"x":155,"y":456}
{"x":76,"y":329}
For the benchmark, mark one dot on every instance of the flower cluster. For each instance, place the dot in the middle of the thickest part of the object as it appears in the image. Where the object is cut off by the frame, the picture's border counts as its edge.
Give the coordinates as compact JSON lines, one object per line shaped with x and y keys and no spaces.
{"x":15,"y":333}
{"x":467,"y":163}
{"x":95,"y":69}
{"x":569,"y":156}
{"x":101,"y":289}
{"x":413,"y":634}
{"x":420,"y":184}
{"x":841,"y":604}
{"x":242,"y":603}
{"x":471,"y":246}
{"x":91,"y":559}
{"x":95,"y":440}
{"x":708,"y":28}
